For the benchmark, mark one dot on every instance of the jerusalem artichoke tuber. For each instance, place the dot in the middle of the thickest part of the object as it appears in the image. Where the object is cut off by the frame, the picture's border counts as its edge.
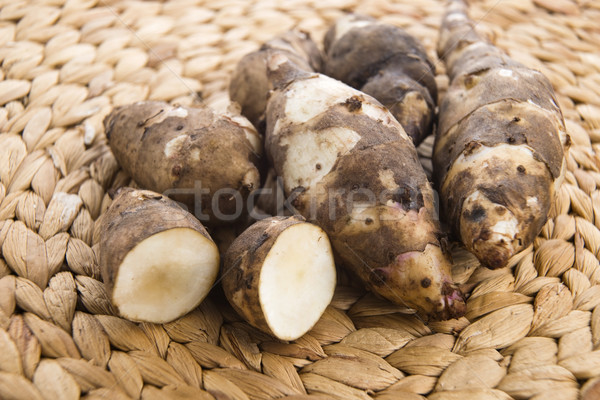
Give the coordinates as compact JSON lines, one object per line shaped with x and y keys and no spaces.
{"x":355,"y":172}
{"x":197,"y":156}
{"x":498,"y":155}
{"x":249,"y":84}
{"x":280,"y":275}
{"x":387,"y":63}
{"x":157,"y":261}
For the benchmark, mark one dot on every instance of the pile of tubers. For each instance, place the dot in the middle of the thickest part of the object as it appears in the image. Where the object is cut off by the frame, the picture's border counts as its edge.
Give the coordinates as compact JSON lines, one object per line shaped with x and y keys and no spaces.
{"x":339,"y":130}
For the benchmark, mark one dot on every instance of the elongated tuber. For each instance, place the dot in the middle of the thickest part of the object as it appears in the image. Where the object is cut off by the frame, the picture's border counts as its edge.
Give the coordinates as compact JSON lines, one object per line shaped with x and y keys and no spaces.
{"x":499,"y":151}
{"x":157,"y":260}
{"x":280,"y":275}
{"x":387,"y":63}
{"x":352,"y":169}
{"x":208,"y":162}
{"x":249,"y":84}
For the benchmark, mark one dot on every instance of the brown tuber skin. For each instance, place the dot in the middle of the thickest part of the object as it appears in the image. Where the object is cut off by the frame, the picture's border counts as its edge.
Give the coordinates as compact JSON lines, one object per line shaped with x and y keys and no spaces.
{"x":356,"y":174}
{"x":499,"y":152}
{"x":180,"y":150}
{"x":387,"y":63}
{"x":249,"y":85}
{"x":145,"y":281}
{"x":279,"y":274}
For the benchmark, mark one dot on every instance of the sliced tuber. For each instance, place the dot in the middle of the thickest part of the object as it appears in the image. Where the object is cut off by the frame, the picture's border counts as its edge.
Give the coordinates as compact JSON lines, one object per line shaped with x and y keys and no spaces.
{"x":157,"y":260}
{"x":279,"y":274}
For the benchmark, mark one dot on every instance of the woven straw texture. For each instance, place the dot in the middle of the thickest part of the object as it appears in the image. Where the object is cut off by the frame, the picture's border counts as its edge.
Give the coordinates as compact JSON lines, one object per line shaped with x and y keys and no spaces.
{"x":532,"y":330}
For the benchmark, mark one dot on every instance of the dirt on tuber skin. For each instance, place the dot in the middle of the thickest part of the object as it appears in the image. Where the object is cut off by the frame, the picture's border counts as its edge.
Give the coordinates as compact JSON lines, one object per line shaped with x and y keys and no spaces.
{"x":157,"y":261}
{"x":249,"y":85}
{"x":191,"y":153}
{"x":387,"y":63}
{"x":357,"y":175}
{"x":499,"y":151}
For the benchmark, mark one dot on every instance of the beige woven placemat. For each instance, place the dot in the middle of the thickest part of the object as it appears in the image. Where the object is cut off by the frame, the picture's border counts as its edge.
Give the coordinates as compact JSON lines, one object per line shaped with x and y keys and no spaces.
{"x":531,"y":331}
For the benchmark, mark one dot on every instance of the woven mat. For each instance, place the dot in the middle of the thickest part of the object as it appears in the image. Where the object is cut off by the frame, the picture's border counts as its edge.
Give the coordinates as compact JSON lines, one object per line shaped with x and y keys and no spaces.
{"x":532,"y":330}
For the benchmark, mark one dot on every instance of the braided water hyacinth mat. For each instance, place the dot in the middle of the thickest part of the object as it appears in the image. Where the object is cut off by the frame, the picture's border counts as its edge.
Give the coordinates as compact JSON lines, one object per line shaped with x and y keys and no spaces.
{"x":532,"y":330}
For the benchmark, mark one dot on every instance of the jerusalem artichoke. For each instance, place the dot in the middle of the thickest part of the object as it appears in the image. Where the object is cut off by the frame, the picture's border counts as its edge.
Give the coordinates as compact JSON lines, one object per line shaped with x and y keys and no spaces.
{"x":280,"y":275}
{"x":206,"y":161}
{"x":387,"y":63}
{"x":355,"y":172}
{"x":498,"y":155}
{"x":249,"y":85}
{"x":157,"y":260}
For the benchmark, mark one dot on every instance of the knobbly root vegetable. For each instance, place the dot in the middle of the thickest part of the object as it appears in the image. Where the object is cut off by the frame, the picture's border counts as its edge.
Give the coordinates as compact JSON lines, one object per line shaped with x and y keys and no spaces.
{"x":157,"y":260}
{"x":499,"y":151}
{"x":208,"y":162}
{"x":280,"y":275}
{"x":354,"y":171}
{"x":249,"y":84}
{"x":387,"y":63}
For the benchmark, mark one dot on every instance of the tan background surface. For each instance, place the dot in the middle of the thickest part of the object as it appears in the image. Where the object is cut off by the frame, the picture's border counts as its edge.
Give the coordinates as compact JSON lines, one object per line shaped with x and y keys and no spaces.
{"x":532,"y":330}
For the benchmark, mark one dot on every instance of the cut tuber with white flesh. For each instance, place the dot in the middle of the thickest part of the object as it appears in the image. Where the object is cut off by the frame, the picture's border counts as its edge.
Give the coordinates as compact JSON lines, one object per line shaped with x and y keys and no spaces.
{"x":498,"y":158}
{"x":157,"y":260}
{"x":279,"y":274}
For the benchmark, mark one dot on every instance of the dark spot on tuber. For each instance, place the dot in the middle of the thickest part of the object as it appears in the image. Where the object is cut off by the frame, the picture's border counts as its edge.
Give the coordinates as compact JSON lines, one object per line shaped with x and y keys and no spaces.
{"x":426,"y":282}
{"x":485,"y":234}
{"x":179,"y":127}
{"x":248,"y":280}
{"x":516,"y":119}
{"x":368,"y":221}
{"x":471,"y":147}
{"x":318,"y":166}
{"x":469,"y":82}
{"x":521,"y":169}
{"x":145,"y":133}
{"x":378,"y":277}
{"x":500,"y":210}
{"x":261,"y":240}
{"x":511,"y":139}
{"x":176,"y":170}
{"x":353,"y":104}
{"x":409,"y":198}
